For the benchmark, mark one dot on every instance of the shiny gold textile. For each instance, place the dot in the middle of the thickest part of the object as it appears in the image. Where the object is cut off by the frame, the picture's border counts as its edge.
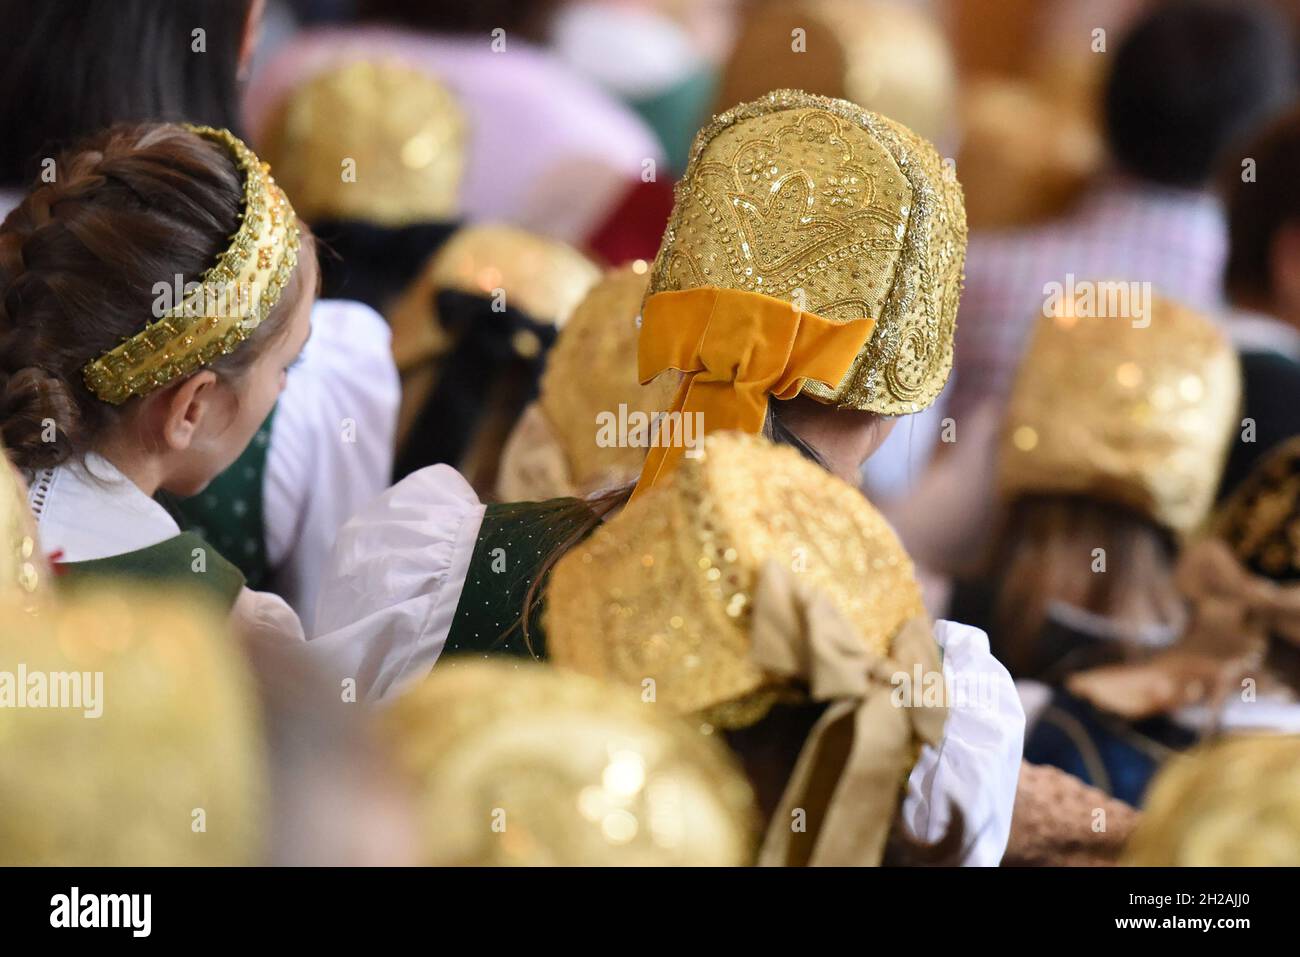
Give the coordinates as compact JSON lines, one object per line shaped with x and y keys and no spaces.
{"x":570,"y":441}
{"x":375,"y":141}
{"x":840,"y":212}
{"x":530,"y":765}
{"x":170,"y":771}
{"x":1260,"y":521}
{"x":885,"y":56}
{"x":1135,"y":410}
{"x":1233,"y":804}
{"x":231,"y":300}
{"x":664,"y":591}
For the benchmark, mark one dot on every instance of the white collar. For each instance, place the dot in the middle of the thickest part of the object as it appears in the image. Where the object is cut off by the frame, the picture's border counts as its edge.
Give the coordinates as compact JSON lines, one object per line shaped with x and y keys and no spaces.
{"x":91,"y":510}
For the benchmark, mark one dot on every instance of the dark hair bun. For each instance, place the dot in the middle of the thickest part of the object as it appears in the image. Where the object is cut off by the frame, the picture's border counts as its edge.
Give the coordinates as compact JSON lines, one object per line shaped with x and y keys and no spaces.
{"x":38,"y":417}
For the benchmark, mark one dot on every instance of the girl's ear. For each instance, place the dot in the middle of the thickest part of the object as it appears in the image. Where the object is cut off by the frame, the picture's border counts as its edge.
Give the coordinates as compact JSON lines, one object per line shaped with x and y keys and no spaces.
{"x":184,"y":407}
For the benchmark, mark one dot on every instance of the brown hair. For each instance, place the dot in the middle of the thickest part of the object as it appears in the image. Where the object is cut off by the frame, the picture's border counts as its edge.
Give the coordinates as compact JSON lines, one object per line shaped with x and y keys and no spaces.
{"x":129,"y":208}
{"x":1045,"y":555}
{"x":1260,"y":207}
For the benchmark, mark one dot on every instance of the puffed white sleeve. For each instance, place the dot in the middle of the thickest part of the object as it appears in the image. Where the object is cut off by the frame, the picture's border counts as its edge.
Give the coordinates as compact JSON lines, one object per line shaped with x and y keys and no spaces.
{"x":390,"y":590}
{"x":331,"y":448}
{"x":977,"y":765}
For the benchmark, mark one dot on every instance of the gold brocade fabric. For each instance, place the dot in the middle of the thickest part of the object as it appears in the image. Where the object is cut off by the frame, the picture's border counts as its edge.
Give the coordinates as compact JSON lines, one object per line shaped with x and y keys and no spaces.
{"x":1260,"y":522}
{"x":24,"y":574}
{"x":589,"y":429}
{"x":374,"y":141}
{"x":882,"y":55}
{"x":664,"y":591}
{"x":531,"y":765}
{"x":842,"y":213}
{"x":543,"y":277}
{"x":230,"y":300}
{"x":1138,"y":411}
{"x":1232,"y":804}
{"x":131,"y":735}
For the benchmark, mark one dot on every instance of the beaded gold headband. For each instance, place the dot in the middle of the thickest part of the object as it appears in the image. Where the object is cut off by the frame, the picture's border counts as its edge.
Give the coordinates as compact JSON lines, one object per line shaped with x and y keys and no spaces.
{"x":225,"y":306}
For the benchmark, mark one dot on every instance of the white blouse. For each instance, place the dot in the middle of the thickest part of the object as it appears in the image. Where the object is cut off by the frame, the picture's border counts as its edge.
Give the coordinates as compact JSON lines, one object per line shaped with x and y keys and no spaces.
{"x":331,"y":446}
{"x":89,"y":510}
{"x":390,"y":595}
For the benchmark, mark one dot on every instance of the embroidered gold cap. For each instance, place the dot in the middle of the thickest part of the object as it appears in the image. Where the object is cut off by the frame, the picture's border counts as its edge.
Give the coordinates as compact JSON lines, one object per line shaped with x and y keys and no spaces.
{"x":1260,"y":521}
{"x":664,"y":591}
{"x":133,"y":737}
{"x":589,"y":429}
{"x":531,"y":765}
{"x":543,"y":277}
{"x":231,"y":299}
{"x":838,"y":212}
{"x":1136,"y":409}
{"x":1233,"y":804}
{"x":24,"y":573}
{"x":880,"y":54}
{"x":373,"y":140}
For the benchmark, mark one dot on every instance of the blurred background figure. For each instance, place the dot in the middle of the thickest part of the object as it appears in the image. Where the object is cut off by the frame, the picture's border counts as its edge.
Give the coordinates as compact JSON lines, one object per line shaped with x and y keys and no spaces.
{"x":1175,"y":92}
{"x":1232,"y":804}
{"x":557,"y":449}
{"x":1110,"y":452}
{"x":472,"y":334}
{"x":1262,"y":281}
{"x":1184,"y":85}
{"x":374,"y":155}
{"x":516,"y":765}
{"x":548,"y":149}
{"x":884,"y":55}
{"x":1236,"y":666}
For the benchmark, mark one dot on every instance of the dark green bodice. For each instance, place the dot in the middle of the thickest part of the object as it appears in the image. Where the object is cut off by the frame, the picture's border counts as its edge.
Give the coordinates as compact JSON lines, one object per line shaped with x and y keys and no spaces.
{"x":185,"y":559}
{"x":513,"y":545}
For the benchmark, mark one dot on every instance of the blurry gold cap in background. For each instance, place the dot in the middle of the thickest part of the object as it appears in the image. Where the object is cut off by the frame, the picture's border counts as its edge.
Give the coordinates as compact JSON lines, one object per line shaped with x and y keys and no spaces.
{"x":522,"y":764}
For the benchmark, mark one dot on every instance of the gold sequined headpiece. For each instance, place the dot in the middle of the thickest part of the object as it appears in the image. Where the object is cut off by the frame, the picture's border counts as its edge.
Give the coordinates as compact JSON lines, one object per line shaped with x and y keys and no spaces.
{"x":665,"y":589}
{"x":755,"y":577}
{"x":1138,"y":410}
{"x":231,"y":299}
{"x":526,"y":765}
{"x":545,"y":278}
{"x":815,"y":248}
{"x":1233,"y":804}
{"x":400,"y":128}
{"x":131,"y":733}
{"x":1260,"y":521}
{"x":589,"y":428}
{"x":886,"y":56}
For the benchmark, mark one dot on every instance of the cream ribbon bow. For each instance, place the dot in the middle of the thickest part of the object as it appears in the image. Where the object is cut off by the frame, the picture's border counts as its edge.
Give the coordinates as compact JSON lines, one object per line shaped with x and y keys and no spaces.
{"x":854,"y":766}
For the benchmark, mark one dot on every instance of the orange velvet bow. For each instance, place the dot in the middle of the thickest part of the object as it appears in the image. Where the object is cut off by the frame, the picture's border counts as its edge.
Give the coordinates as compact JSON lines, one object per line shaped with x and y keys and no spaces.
{"x":735,"y":349}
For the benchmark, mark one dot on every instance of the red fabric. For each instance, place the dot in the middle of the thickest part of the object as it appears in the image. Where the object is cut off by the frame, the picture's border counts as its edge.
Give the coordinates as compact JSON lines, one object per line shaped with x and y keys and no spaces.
{"x":635,"y":227}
